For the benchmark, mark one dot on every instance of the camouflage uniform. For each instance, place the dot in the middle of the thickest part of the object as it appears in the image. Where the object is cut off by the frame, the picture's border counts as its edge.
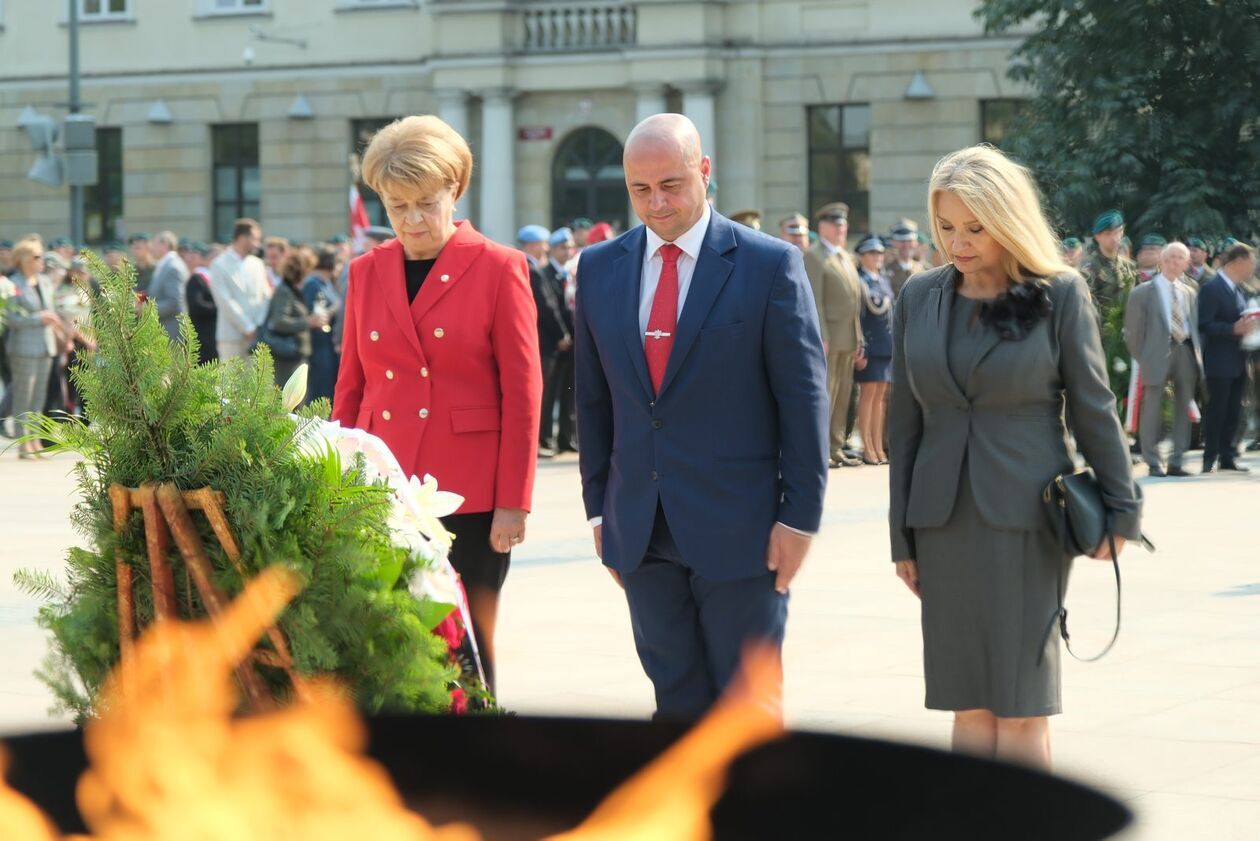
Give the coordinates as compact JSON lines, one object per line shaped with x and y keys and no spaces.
{"x":1110,"y":280}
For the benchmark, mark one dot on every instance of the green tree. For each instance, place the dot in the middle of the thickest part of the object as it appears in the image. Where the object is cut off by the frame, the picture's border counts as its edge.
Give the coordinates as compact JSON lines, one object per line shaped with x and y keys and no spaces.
{"x":1151,"y":106}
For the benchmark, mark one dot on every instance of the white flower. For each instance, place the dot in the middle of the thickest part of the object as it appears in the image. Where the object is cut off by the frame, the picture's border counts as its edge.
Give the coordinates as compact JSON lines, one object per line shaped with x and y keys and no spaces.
{"x":1119,"y":365}
{"x":295,"y":389}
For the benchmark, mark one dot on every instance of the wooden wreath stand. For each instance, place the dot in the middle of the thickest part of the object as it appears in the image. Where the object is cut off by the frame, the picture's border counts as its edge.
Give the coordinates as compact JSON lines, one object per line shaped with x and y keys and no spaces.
{"x":167,"y":512}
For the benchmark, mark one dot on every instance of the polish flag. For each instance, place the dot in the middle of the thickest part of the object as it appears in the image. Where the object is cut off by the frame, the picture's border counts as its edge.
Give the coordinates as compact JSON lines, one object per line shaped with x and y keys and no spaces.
{"x":358,"y":219}
{"x":1135,"y":399}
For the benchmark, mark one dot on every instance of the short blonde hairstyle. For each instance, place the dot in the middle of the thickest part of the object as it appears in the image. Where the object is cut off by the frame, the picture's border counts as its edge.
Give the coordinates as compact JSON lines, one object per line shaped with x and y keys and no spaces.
{"x":1005,"y":200}
{"x":420,"y":153}
{"x":26,"y":249}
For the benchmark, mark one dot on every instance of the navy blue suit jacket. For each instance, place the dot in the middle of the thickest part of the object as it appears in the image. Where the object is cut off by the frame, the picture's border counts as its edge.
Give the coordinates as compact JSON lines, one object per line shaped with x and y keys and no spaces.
{"x":737,"y":438}
{"x":1223,"y":356}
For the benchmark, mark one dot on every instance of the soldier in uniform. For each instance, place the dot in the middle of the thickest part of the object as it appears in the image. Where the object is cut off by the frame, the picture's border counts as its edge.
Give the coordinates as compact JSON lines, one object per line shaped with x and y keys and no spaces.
{"x":1110,"y":276}
{"x":905,"y":241}
{"x":838,"y":297}
{"x":138,"y":245}
{"x":1199,"y":272}
{"x":748,"y":218}
{"x":1149,"y":249}
{"x":795,"y":229}
{"x":1073,"y":252}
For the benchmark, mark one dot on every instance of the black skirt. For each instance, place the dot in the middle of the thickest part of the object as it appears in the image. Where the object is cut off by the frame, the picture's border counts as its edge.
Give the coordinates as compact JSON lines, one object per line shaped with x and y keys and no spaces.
{"x":477,"y":563}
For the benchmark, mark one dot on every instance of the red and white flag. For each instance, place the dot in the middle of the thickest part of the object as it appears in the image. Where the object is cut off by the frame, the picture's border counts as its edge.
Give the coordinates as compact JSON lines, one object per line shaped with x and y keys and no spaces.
{"x":1135,"y":399}
{"x":358,"y":219}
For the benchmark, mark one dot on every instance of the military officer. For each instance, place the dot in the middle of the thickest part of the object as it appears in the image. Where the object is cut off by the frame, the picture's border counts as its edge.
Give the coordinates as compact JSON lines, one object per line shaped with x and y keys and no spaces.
{"x":1073,"y":251}
{"x":748,"y":218}
{"x":1110,"y":276}
{"x":1199,"y":272}
{"x":904,"y":264}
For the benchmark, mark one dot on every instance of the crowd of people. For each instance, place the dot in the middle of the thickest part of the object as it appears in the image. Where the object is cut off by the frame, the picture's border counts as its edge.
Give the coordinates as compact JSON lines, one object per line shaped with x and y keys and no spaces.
{"x":707,"y":373}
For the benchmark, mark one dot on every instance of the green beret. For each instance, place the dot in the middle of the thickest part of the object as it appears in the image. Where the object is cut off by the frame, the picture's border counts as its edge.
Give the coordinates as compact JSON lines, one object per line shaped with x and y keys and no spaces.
{"x":1107,"y":220}
{"x":1153,"y":241}
{"x":115,"y":245}
{"x":1196,"y":242}
{"x":6,"y":243}
{"x":1071,"y":242}
{"x":138,"y":237}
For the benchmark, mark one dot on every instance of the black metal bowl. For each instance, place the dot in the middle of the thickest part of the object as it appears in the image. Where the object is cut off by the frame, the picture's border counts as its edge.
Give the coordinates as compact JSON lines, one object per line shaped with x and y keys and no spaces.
{"x":518,"y":778}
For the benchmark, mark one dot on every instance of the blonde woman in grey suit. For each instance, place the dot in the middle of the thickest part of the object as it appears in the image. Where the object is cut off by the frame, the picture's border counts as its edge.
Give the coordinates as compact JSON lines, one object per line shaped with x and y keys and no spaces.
{"x":993,"y":353}
{"x":32,"y":337}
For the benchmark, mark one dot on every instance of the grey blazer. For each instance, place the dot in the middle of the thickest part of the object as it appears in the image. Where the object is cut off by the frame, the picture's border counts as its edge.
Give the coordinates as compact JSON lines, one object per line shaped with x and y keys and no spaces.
{"x":1148,"y":329}
{"x":1007,"y":419}
{"x":170,"y":280}
{"x":26,"y":334}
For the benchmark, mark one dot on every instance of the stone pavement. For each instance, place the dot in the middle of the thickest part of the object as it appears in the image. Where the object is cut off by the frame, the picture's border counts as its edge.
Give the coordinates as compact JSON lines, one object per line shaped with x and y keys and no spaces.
{"x":1169,"y":721}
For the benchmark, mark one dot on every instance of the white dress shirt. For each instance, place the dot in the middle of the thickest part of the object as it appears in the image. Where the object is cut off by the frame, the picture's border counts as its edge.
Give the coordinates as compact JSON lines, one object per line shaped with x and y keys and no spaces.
{"x":1167,"y":289}
{"x":690,"y":243}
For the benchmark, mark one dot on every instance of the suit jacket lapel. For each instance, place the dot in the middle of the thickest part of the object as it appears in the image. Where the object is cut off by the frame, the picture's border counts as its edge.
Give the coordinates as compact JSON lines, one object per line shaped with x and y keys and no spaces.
{"x":710,"y":275}
{"x":942,"y":302}
{"x":628,"y":272}
{"x":460,"y":251}
{"x":387,"y":261}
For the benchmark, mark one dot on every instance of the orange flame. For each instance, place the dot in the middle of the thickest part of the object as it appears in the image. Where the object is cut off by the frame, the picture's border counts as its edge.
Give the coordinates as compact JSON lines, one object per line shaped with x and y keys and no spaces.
{"x":168,"y":759}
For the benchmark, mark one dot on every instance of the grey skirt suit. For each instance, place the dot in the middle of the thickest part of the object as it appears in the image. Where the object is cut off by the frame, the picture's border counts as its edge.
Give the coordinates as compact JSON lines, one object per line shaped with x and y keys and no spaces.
{"x":978,"y":427}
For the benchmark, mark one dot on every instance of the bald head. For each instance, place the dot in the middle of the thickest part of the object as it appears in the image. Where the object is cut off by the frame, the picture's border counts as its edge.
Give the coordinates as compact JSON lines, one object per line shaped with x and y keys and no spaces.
{"x":667,"y":174}
{"x":662,"y":132}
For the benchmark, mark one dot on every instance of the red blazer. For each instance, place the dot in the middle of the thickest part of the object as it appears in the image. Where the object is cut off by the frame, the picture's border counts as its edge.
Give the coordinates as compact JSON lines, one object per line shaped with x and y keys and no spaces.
{"x":452,"y":383}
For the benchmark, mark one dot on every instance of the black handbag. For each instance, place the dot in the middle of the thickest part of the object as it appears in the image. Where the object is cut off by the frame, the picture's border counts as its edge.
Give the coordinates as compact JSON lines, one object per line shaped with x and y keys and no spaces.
{"x":1078,"y":516}
{"x":283,"y":348}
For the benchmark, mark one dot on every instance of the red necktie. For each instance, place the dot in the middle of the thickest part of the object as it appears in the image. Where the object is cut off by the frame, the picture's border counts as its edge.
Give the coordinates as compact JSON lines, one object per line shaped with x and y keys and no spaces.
{"x":663,"y":320}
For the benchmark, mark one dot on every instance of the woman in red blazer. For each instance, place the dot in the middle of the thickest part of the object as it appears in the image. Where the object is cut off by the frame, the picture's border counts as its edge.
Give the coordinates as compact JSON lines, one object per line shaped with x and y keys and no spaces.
{"x":440,"y":355}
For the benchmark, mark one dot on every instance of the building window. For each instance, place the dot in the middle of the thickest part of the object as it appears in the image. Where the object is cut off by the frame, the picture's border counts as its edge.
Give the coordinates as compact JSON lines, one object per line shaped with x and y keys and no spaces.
{"x":587,"y":180}
{"x":237,"y":185}
{"x":361,"y":132}
{"x":103,"y":200}
{"x":996,"y":118}
{"x":840,"y":160}
{"x":104,"y":9}
{"x":232,"y":7}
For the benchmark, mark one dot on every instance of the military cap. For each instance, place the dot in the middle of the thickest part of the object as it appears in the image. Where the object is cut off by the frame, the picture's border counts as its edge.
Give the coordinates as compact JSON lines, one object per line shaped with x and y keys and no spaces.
{"x":338,"y":239}
{"x":1196,"y":242}
{"x":200,"y":248}
{"x":583,"y":223}
{"x":1153,"y":241}
{"x":1106,"y":221}
{"x":533,"y":233}
{"x":59,"y":242}
{"x":560,"y":236}
{"x":1227,"y":242}
{"x":1071,"y":242}
{"x":794,"y":224}
{"x":78,"y":264}
{"x":114,"y":245}
{"x":870,"y":243}
{"x":837,"y":211}
{"x":138,"y":237}
{"x":904,"y":233}
{"x":749,"y":218}
{"x":53,"y":260}
{"x":6,"y":243}
{"x":379,"y":232}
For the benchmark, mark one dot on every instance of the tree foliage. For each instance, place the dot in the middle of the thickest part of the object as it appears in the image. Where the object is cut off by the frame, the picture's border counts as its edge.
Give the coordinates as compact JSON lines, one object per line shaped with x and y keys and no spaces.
{"x":1151,"y":106}
{"x":156,"y":415}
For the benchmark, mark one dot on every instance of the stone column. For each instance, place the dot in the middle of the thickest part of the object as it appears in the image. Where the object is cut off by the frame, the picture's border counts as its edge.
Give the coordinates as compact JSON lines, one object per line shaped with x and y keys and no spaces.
{"x":699,"y":105}
{"x":453,"y":110}
{"x":498,"y":170}
{"x":650,"y":99}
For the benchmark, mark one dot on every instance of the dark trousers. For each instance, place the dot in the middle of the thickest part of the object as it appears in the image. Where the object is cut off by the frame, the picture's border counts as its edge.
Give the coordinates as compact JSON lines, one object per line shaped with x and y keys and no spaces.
{"x":1220,"y":420}
{"x":565,"y":386}
{"x":690,"y":631}
{"x":482,"y":571}
{"x":550,"y":391}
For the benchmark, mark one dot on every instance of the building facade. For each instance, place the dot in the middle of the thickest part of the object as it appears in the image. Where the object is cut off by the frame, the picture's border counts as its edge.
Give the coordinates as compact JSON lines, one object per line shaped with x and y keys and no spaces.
{"x":211,"y":109}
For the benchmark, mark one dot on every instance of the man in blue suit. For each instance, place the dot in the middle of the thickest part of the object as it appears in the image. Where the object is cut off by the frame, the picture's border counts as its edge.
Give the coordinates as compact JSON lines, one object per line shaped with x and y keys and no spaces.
{"x":1222,"y":327}
{"x":702,"y":411}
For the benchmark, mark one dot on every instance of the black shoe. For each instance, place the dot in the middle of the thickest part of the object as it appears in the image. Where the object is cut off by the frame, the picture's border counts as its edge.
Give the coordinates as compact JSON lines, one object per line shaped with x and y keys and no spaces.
{"x":1234,"y":466}
{"x":1177,"y":471}
{"x":1157,"y":472}
{"x":567,"y":448}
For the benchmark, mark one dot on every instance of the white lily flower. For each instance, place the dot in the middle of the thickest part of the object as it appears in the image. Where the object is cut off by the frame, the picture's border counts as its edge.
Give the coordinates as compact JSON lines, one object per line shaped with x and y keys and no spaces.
{"x":295,"y":389}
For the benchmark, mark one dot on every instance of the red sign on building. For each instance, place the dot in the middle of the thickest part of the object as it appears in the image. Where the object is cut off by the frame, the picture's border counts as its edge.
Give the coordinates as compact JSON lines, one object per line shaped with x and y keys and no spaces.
{"x":534,"y":133}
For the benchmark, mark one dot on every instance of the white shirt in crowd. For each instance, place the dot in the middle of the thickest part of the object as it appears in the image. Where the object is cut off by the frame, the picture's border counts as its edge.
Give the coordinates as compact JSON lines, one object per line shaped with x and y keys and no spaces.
{"x":241,"y":292}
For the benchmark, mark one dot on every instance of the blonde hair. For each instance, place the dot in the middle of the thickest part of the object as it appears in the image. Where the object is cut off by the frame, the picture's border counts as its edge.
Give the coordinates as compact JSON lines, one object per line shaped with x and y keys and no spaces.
{"x":25,"y":249}
{"x":1004,"y":198}
{"x":422,"y":153}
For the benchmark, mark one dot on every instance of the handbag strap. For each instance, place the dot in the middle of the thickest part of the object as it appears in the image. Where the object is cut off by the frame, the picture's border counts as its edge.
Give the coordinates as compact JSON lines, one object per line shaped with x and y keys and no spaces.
{"x":1061,"y":615}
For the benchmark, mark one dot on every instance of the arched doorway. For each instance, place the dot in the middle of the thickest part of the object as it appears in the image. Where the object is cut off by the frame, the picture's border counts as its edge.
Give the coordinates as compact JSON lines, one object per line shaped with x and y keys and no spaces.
{"x":587,"y":179}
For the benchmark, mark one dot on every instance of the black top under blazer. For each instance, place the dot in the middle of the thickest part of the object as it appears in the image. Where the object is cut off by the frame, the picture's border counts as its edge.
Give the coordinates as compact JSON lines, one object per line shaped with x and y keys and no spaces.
{"x":1007,"y":419}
